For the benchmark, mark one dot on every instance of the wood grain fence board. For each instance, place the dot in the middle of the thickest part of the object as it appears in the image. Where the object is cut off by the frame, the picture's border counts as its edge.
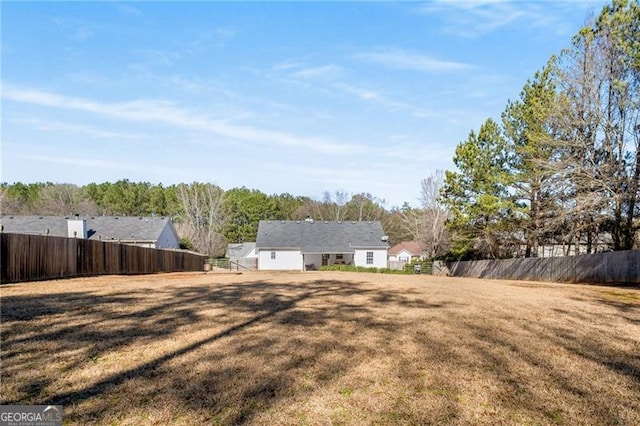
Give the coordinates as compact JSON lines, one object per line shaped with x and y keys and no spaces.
{"x":35,"y":257}
{"x":621,"y":267}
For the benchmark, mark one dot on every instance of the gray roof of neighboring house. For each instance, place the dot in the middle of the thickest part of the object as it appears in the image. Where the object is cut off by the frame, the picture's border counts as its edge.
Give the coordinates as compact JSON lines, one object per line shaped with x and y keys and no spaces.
{"x":319,"y":236}
{"x":239,"y":250}
{"x":125,"y":228}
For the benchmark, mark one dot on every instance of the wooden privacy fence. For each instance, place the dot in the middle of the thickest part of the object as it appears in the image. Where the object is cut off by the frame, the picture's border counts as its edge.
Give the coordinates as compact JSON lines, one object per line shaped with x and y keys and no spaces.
{"x":36,"y":257}
{"x":618,"y":267}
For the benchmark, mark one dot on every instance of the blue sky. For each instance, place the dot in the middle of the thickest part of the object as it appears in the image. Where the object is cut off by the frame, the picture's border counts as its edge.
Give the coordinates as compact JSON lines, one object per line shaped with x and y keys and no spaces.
{"x":297,"y":97}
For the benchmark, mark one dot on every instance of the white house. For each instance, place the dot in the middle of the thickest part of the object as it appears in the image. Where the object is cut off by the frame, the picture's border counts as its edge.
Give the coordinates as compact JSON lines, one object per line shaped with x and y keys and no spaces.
{"x":154,"y":232}
{"x":405,"y":252}
{"x":306,"y":245}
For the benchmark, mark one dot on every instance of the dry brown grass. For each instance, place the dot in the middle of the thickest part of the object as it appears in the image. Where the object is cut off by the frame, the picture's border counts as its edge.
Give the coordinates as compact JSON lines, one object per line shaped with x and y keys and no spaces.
{"x":322,"y":348}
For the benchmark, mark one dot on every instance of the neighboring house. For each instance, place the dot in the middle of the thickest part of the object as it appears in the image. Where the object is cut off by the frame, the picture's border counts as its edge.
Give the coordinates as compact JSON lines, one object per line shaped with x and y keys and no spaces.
{"x":242,"y":255}
{"x":154,"y":232}
{"x":241,"y":251}
{"x":306,"y":245}
{"x":406,"y":251}
{"x":602,"y":242}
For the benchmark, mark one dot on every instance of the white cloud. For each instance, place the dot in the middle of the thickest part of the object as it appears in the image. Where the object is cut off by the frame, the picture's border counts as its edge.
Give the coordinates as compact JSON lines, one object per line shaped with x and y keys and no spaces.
{"x":83,"y":33}
{"x":91,"y":169}
{"x":326,"y":72}
{"x":380,"y":98}
{"x":78,"y":30}
{"x":353,"y":178}
{"x":163,"y":112}
{"x":473,"y":18}
{"x":155,"y":57}
{"x":364,"y":94}
{"x":225,"y":34}
{"x":289,"y":65}
{"x":126,"y":9}
{"x":402,"y":59}
{"x":60,"y":127}
{"x":334,"y":77}
{"x":82,"y":162}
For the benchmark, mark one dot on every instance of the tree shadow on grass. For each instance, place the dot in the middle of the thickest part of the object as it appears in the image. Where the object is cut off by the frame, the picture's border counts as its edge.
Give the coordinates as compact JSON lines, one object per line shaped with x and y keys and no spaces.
{"x":532,"y":359}
{"x":626,"y":303}
{"x":93,"y":327}
{"x":234,"y":353}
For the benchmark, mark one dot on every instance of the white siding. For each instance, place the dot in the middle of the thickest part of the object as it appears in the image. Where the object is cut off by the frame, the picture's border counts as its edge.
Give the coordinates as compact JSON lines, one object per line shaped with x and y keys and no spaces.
{"x":404,"y":256}
{"x":77,"y":228}
{"x":379,"y":258}
{"x":286,"y":260}
{"x":168,"y":238}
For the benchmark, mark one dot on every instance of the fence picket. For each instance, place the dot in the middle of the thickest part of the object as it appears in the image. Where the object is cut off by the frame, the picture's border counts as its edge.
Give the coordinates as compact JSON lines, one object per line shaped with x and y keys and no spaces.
{"x":36,"y":257}
{"x":618,"y":267}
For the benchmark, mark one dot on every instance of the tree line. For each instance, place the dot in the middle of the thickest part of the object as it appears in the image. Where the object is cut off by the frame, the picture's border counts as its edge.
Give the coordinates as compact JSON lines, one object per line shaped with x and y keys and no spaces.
{"x":562,"y":166}
{"x":206,"y":216}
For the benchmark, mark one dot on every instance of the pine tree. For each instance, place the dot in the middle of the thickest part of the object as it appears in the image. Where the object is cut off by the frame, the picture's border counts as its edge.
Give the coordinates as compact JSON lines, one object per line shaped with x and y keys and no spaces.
{"x":478,"y":197}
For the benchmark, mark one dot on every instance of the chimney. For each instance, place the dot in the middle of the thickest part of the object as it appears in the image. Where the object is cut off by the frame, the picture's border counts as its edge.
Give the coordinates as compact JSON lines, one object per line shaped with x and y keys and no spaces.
{"x":77,"y":228}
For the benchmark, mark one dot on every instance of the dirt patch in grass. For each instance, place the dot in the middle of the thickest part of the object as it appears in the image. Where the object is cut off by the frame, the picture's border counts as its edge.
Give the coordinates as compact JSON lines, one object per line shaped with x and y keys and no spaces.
{"x":321,"y":348}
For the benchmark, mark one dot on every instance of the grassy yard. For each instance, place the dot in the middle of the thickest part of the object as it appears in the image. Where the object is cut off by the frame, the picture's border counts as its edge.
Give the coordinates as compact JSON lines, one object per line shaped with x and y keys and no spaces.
{"x":322,"y":348}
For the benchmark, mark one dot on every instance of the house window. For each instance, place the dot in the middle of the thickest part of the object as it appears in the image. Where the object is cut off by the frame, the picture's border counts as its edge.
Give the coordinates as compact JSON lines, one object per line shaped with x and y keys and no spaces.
{"x":369,"y":258}
{"x":273,"y":255}
{"x":325,"y":259}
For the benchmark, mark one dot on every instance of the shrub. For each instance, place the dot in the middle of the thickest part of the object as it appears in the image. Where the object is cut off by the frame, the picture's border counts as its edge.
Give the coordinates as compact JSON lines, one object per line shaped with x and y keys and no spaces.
{"x":351,"y":268}
{"x":425,"y":267}
{"x":186,"y":244}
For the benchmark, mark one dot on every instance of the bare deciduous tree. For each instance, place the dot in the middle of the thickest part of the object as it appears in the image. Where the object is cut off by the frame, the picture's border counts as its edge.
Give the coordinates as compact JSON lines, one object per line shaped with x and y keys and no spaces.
{"x":597,"y":161}
{"x":201,"y":220}
{"x":65,"y":199}
{"x":365,"y":206}
{"x":334,"y":205}
{"x":435,"y":236}
{"x":411,"y":222}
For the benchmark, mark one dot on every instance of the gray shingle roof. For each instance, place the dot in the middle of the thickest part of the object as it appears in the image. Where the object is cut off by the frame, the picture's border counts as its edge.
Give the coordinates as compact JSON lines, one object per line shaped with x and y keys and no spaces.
{"x":124,"y":228}
{"x":319,"y":236}
{"x":239,"y":250}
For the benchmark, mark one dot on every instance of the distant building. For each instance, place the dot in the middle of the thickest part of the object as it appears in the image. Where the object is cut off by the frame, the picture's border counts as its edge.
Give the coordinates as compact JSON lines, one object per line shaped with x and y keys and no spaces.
{"x":154,"y":232}
{"x":406,"y":251}
{"x":305,"y":245}
{"x":242,"y":256}
{"x":241,"y":251}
